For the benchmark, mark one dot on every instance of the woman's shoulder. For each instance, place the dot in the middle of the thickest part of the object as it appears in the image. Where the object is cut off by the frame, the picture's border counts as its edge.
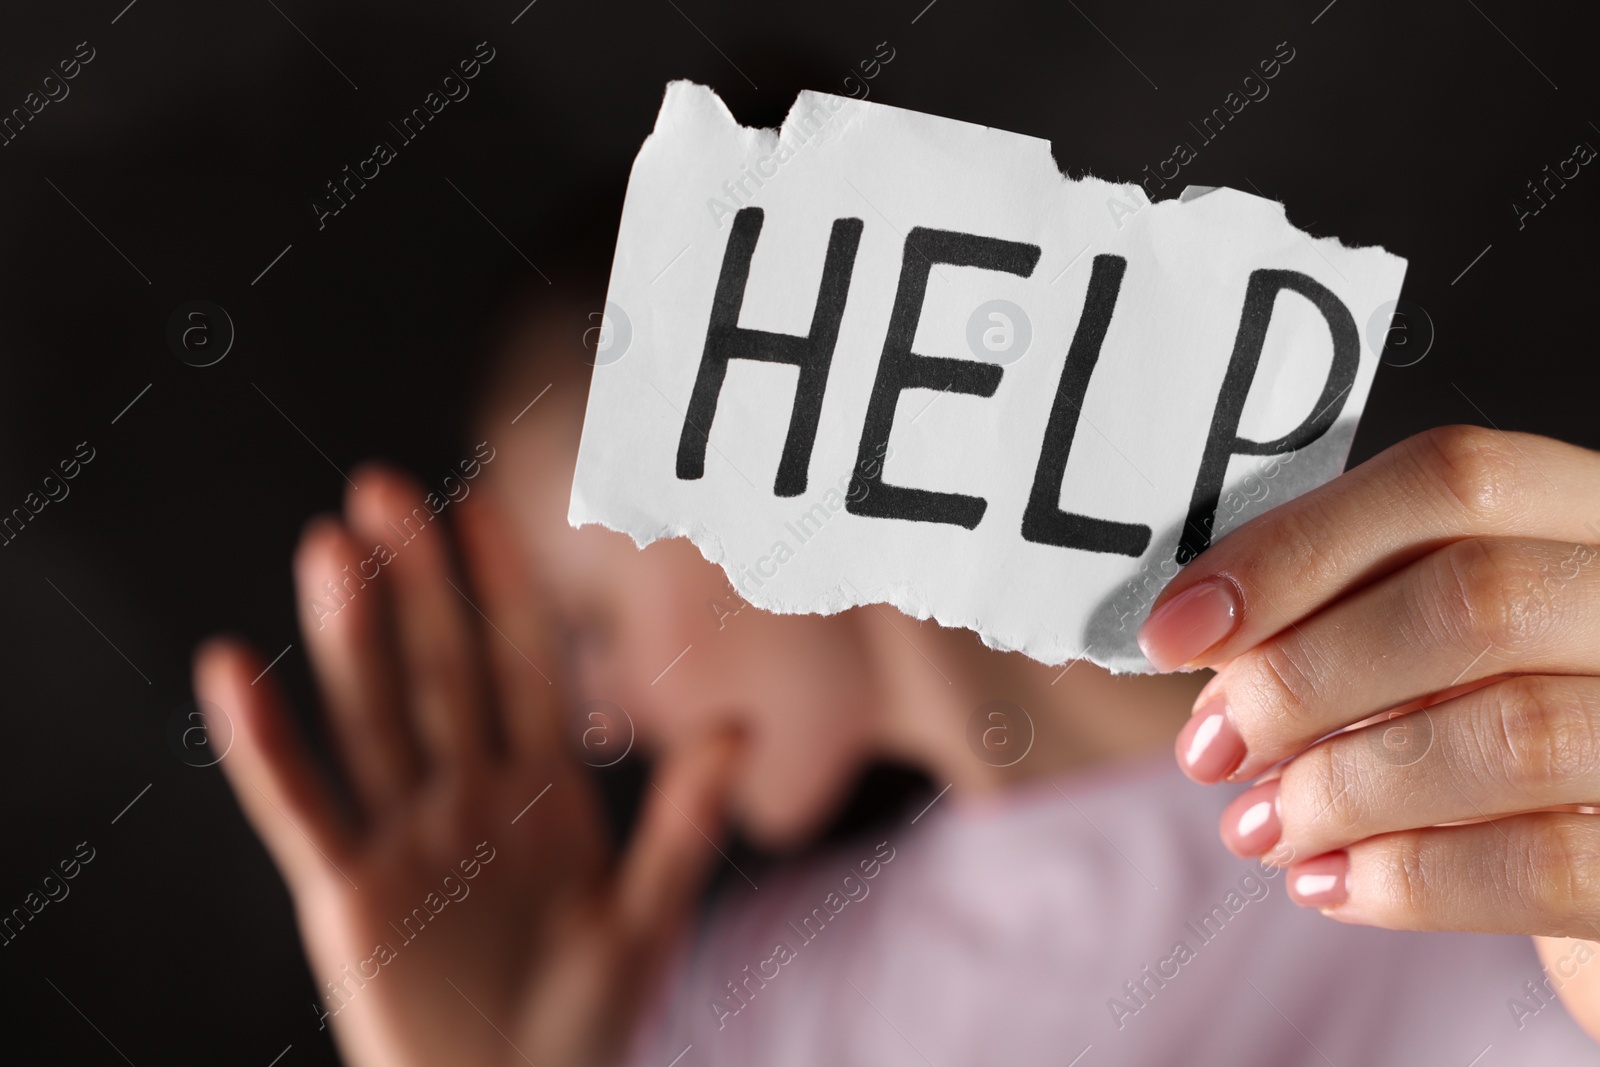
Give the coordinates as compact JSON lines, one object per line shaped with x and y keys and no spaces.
{"x":1098,"y":909}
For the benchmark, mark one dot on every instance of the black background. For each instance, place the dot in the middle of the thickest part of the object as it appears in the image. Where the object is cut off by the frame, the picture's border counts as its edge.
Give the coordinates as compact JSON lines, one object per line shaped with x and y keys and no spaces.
{"x":195,"y":142}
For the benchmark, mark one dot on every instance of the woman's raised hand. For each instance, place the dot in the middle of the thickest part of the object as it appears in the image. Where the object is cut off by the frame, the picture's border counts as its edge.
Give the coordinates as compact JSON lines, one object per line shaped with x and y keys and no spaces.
{"x":463,"y":905}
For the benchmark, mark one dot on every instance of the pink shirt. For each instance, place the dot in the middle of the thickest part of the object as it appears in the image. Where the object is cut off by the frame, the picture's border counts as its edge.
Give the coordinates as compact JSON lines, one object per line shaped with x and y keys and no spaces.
{"x":1091,"y":920}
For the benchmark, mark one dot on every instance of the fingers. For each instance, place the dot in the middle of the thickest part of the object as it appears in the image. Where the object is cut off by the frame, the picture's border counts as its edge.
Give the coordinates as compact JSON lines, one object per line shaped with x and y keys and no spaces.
{"x":274,"y":778}
{"x":342,"y":611}
{"x":1518,"y":745}
{"x":1437,"y":487}
{"x":1565,"y":962}
{"x":676,"y":840}
{"x":1537,"y":872}
{"x":516,"y":633}
{"x":1472,"y":609}
{"x":439,"y":674}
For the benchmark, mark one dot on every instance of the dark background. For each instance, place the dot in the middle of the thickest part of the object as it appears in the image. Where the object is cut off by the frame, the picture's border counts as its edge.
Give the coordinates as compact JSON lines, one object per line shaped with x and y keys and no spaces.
{"x":195,"y":141}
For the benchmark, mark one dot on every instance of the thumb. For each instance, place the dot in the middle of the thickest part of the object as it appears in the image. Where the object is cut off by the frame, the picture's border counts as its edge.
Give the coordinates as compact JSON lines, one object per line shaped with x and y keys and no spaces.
{"x":677,"y":839}
{"x":273,"y":775}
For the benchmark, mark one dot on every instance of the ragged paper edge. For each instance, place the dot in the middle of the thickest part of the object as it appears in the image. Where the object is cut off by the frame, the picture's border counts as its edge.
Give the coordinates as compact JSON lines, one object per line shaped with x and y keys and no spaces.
{"x":683,"y":94}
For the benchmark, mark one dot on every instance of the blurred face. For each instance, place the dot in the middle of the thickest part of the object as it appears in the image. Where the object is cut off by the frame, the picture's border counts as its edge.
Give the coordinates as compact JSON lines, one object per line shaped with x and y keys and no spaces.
{"x":661,"y":633}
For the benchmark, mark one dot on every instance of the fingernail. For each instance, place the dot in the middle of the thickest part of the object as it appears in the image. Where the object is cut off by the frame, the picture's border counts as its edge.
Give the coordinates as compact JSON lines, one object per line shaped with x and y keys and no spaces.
{"x":1250,"y":824}
{"x":1322,"y":882}
{"x":1208,"y":746}
{"x":1180,"y":631}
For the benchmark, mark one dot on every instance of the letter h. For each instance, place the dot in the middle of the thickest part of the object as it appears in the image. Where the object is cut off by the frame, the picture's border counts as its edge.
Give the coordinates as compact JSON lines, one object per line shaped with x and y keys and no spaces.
{"x":812,"y":354}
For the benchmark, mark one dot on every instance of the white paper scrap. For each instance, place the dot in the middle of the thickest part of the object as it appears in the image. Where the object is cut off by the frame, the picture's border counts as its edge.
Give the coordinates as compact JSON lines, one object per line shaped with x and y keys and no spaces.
{"x":884,"y":357}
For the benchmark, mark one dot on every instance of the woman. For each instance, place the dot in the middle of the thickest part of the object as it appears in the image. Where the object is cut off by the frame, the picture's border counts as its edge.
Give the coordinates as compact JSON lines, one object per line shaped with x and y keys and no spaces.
{"x":1062,"y":900}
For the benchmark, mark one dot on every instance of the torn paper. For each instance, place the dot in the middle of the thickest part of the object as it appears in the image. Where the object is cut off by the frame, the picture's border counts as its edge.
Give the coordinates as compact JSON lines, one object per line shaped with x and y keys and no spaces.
{"x":880,"y":356}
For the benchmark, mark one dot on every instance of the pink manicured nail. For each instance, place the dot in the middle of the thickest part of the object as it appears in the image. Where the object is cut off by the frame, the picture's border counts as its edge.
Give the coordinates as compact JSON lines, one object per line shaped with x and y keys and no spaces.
{"x":1322,"y":882}
{"x":1208,"y":746}
{"x":1180,"y":631}
{"x":1250,"y":824}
